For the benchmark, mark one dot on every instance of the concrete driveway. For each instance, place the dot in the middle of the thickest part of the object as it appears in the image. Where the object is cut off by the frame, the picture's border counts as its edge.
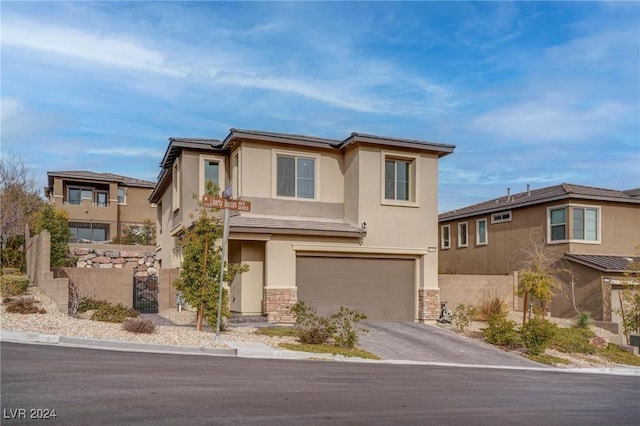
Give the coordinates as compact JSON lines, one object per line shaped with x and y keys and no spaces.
{"x":429,"y":343}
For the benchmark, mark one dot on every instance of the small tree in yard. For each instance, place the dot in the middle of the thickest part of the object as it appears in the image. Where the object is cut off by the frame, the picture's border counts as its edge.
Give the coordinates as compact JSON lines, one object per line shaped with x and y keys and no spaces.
{"x":200,"y":270}
{"x":55,"y":221}
{"x":538,"y":278}
{"x":630,"y":299}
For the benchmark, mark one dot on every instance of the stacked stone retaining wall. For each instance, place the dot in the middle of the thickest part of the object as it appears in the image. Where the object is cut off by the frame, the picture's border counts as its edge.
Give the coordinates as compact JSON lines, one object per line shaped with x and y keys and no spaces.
{"x":142,"y":262}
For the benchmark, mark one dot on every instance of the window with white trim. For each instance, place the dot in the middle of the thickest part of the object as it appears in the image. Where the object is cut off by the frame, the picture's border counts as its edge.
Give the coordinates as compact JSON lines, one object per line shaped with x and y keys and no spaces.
{"x":400,"y":179}
{"x":501,"y":217}
{"x":481,"y":232}
{"x":463,"y":234}
{"x":122,"y":196}
{"x":210,"y":174}
{"x":445,"y":237}
{"x":585,"y":223}
{"x":175,"y":193}
{"x":295,"y":176}
{"x":573,"y":223}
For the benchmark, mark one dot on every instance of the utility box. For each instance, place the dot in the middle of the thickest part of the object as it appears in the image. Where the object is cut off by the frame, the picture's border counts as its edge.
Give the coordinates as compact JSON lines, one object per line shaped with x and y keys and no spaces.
{"x":634,"y":340}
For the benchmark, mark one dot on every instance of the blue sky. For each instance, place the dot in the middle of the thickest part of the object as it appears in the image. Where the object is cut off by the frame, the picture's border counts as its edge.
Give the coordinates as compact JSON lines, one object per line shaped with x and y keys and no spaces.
{"x":535,"y":93}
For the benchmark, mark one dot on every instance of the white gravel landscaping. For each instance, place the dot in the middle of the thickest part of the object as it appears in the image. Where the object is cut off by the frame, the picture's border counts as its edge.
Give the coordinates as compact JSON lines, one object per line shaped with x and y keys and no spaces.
{"x":59,"y":323}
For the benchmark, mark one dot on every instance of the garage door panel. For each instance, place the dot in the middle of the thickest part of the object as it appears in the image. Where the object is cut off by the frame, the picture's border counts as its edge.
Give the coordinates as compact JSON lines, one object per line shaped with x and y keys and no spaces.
{"x":383,"y":289}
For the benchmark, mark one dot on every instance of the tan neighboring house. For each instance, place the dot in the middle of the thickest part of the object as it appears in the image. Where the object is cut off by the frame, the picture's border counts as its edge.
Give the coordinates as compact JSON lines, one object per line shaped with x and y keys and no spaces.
{"x":335,"y":223}
{"x":594,"y":231}
{"x":100,"y":205}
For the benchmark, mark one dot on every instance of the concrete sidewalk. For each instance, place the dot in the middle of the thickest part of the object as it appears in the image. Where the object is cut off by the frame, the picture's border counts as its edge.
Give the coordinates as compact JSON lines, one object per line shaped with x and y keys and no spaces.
{"x":260,"y":350}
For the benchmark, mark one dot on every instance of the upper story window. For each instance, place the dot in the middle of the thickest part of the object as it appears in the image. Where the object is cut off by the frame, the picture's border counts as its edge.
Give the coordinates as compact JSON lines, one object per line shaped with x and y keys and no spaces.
{"x":102,"y":199}
{"x":445,"y":237}
{"x":400,"y":179}
{"x":175,"y":192}
{"x":210,"y":174}
{"x":76,"y":195}
{"x":584,"y":225}
{"x":501,"y":217}
{"x":463,"y":234}
{"x":296,"y":176}
{"x":481,"y":232}
{"x":122,"y":196}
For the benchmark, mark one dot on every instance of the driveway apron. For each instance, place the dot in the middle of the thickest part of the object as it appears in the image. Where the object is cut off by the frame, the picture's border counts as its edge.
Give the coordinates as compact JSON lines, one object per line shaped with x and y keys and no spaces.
{"x":427,"y":343}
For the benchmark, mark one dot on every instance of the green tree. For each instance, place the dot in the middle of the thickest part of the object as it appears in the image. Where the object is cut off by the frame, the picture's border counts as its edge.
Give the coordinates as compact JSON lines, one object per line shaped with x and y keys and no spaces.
{"x":56,"y":222}
{"x":19,"y":199}
{"x":201,"y":267}
{"x":144,"y":235}
{"x":539,"y":277}
{"x":629,"y":308}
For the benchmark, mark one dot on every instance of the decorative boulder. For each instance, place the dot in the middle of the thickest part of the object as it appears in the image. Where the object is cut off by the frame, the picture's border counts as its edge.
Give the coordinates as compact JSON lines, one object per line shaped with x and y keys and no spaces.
{"x":599,"y":342}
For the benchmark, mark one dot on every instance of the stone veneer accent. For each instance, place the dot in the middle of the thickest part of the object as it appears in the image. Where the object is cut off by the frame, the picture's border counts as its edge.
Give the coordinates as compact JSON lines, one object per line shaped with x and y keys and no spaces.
{"x":428,"y":304}
{"x":276,"y":303}
{"x":142,"y":262}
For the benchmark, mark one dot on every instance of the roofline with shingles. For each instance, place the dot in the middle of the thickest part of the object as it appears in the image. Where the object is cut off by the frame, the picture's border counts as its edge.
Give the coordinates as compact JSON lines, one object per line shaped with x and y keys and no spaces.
{"x":578,"y":259}
{"x":521,"y":200}
{"x":97,"y":177}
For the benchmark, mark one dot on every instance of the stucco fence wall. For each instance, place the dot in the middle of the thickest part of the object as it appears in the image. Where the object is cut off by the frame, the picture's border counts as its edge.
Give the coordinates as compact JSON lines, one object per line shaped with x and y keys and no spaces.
{"x":470,"y":289}
{"x":111,"y":283}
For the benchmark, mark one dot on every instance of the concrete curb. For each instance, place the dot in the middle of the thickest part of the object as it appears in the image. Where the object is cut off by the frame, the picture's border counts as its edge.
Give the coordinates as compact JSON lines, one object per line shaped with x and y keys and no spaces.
{"x":260,"y":350}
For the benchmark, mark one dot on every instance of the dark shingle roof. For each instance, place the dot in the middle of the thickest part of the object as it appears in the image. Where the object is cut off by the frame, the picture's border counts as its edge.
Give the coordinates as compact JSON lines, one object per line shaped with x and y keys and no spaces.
{"x":603,"y":263}
{"x":294,"y":226}
{"x":83,"y":175}
{"x":538,"y":196}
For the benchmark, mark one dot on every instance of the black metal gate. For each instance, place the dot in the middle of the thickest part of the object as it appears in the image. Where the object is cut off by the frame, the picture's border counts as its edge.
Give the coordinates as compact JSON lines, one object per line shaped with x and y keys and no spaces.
{"x":145,"y":294}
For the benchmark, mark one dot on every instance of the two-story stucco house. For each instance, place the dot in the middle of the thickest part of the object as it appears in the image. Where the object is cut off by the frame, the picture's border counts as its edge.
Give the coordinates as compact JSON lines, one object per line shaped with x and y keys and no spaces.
{"x":335,"y":223}
{"x":100,"y":205}
{"x":591,"y":231}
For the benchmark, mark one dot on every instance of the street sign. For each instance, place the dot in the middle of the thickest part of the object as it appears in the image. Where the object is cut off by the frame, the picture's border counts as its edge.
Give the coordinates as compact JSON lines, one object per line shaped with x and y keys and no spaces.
{"x":225,"y":203}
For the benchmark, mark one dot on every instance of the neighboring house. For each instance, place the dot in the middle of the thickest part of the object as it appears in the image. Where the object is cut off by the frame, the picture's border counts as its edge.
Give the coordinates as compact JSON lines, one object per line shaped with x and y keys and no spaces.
{"x":101,"y":206}
{"x":335,"y":223}
{"x":584,"y":228}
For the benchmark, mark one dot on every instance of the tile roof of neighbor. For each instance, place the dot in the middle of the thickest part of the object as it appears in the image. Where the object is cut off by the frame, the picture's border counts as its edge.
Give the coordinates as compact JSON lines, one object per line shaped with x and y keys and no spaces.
{"x":542,"y":195}
{"x":108,"y":177}
{"x":282,"y":225}
{"x":602,"y":262}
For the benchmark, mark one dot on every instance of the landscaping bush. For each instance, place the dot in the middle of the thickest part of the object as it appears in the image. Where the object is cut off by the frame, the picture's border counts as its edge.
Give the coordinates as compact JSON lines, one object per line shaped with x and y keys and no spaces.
{"x":23,"y":305}
{"x":491,"y":305}
{"x":341,"y":327}
{"x":113,"y":313}
{"x":500,"y":331}
{"x":537,"y":334}
{"x":463,"y":316}
{"x":311,"y":327}
{"x":347,"y":332}
{"x":583,"y":320}
{"x":139,"y":325}
{"x":8,"y":270}
{"x":573,"y":340}
{"x":90,"y":304}
{"x":13,"y":285}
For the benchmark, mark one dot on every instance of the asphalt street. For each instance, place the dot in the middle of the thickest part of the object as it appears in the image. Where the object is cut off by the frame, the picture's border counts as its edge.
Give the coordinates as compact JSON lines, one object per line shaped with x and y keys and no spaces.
{"x":86,"y":386}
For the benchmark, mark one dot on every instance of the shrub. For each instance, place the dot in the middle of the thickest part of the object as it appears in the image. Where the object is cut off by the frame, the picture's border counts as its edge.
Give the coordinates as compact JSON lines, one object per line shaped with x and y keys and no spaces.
{"x":537,"y":334}
{"x":7,"y":270}
{"x":573,"y":340}
{"x":311,"y":327}
{"x":501,"y":332}
{"x":23,"y":305}
{"x":13,"y":285}
{"x":91,"y":304}
{"x":583,"y":320}
{"x":113,"y":313}
{"x":463,"y":316}
{"x":347,"y":332}
{"x":491,"y":305}
{"x":138,"y":325}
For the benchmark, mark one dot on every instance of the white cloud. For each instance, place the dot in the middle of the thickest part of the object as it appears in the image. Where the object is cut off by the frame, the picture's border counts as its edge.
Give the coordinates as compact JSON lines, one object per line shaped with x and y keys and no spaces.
{"x":109,"y":49}
{"x":9,"y":107}
{"x":125,"y":152}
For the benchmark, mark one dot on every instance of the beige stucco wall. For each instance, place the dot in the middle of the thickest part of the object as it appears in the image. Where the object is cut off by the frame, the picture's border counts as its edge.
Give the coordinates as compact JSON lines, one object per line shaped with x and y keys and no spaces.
{"x":137,"y":209}
{"x":470,"y":289}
